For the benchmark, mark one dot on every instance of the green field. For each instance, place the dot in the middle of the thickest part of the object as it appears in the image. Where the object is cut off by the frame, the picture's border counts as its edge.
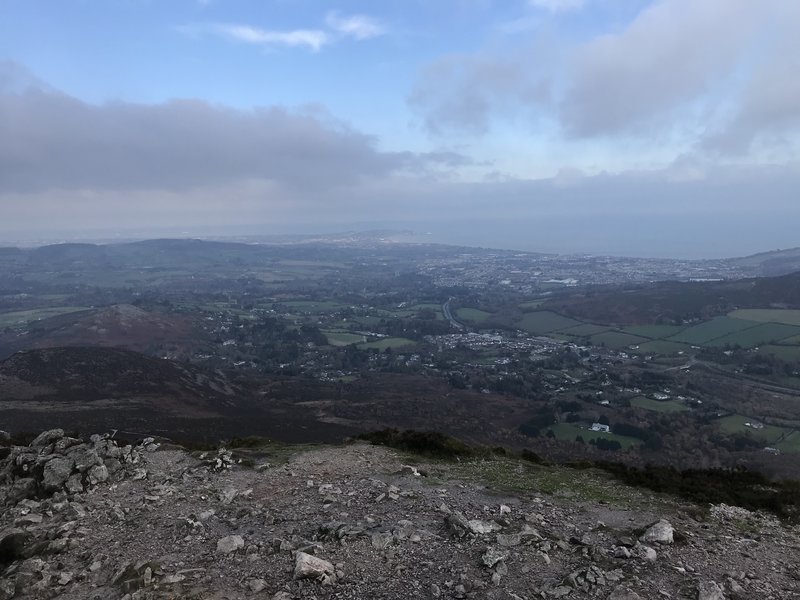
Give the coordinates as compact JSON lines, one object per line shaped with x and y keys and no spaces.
{"x":665,"y":406}
{"x":768,"y":315}
{"x":532,"y":305}
{"x":716,"y":328}
{"x":787,"y":353}
{"x":585,"y":329}
{"x":736,"y":424}
{"x":473,"y":314}
{"x":789,"y":443}
{"x":544,"y":321}
{"x":313,"y":307}
{"x":616,"y":340}
{"x":343,"y":338}
{"x":663,"y":347}
{"x":568,"y":431}
{"x":22,"y":317}
{"x":385,"y":343}
{"x":755,"y":336}
{"x":654,"y":332}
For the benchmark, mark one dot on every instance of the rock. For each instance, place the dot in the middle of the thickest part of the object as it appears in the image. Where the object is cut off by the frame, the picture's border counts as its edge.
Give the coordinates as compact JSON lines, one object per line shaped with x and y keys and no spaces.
{"x":257,"y":585}
{"x":47,"y":437}
{"x":56,"y":473}
{"x":624,"y":593}
{"x":22,"y":488}
{"x":12,"y":543}
{"x":282,"y":596}
{"x":709,"y":590}
{"x":622,"y":552}
{"x":659,"y":533}
{"x":85,"y":458}
{"x":227,"y":496}
{"x":645,"y":553}
{"x":74,"y":485}
{"x":310,"y":567}
{"x":229,"y":544}
{"x":380,"y":541}
{"x":479,"y":527}
{"x":492,"y":556}
{"x":98,"y":474}
{"x":7,"y":589}
{"x":509,"y":540}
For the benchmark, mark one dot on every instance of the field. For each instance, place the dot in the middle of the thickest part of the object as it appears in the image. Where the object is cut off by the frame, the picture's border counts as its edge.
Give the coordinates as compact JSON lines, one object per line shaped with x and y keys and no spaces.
{"x":567,"y":431}
{"x":616,"y":340}
{"x":312,"y":307}
{"x":754,"y":336}
{"x":663,"y":347}
{"x":343,"y":338}
{"x":665,"y":406}
{"x":654,"y":332}
{"x":585,"y":329}
{"x":473,"y":314}
{"x":22,"y":317}
{"x":532,"y":305}
{"x":768,"y":315}
{"x":385,"y":343}
{"x":787,"y":353}
{"x":711,"y":330}
{"x":770,"y":434}
{"x":544,"y":321}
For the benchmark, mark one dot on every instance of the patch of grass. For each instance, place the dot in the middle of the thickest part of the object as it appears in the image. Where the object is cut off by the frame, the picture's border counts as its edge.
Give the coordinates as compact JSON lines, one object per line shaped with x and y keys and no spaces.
{"x":568,"y":431}
{"x":424,"y":443}
{"x":532,"y":305}
{"x":385,"y":343}
{"x":665,"y":406}
{"x":787,"y":353}
{"x":768,"y":315}
{"x":23,"y":317}
{"x":617,"y":340}
{"x":769,"y":434}
{"x":663,"y":347}
{"x":718,"y":327}
{"x":545,"y":321}
{"x":584,"y":329}
{"x":654,"y":332}
{"x":755,"y":336}
{"x":343,"y":338}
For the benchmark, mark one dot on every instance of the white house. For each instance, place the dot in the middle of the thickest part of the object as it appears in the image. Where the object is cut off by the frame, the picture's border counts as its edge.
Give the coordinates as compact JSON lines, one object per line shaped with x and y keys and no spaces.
{"x":600,"y":427}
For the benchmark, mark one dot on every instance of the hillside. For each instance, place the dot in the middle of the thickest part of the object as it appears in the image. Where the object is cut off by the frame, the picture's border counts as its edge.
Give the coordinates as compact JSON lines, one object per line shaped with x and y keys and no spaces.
{"x":97,"y":520}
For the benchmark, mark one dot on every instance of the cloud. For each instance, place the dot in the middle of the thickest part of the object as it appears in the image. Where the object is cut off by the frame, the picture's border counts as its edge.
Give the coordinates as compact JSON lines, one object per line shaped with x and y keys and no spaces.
{"x":713,"y":76}
{"x":359,"y":27}
{"x":557,"y":5}
{"x":313,"y":39}
{"x":49,"y":140}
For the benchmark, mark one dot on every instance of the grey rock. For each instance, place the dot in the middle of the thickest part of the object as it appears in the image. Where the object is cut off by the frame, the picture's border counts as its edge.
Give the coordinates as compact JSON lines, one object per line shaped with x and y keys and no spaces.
{"x":710,"y":590}
{"x":624,"y":593}
{"x":7,"y":589}
{"x":310,"y":567}
{"x":98,"y":474}
{"x":22,"y":488}
{"x":13,"y":542}
{"x":257,"y":585}
{"x":56,"y":473}
{"x":47,"y":437}
{"x":659,"y":533}
{"x":85,"y":458}
{"x":74,"y":484}
{"x":492,"y":556}
{"x":229,"y":544}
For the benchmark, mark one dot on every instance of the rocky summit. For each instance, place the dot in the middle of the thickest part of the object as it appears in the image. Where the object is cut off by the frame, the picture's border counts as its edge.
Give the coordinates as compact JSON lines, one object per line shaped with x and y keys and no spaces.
{"x":97,"y":519}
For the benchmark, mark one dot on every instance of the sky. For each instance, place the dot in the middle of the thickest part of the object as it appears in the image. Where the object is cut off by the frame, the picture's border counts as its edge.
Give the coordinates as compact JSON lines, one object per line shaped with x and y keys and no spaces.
{"x":644,"y":127}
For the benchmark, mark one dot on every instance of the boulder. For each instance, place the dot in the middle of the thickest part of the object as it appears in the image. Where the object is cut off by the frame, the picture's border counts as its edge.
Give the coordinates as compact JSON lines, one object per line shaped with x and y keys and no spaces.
{"x":98,"y":474}
{"x":230,"y":544}
{"x":710,"y":590}
{"x":310,"y":567}
{"x":12,"y":544}
{"x":624,"y":593}
{"x":659,"y":533}
{"x":84,"y":457}
{"x":47,"y":437}
{"x":56,"y":473}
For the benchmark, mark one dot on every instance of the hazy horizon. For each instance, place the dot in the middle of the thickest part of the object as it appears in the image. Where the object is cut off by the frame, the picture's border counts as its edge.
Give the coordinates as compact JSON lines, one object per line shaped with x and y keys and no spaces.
{"x":637,"y":127}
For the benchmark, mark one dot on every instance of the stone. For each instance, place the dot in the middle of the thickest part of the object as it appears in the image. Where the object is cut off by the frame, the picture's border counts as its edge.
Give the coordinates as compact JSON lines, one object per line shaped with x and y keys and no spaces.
{"x":479,"y":527}
{"x":56,"y":473}
{"x":47,"y":437}
{"x":85,"y":458}
{"x":74,"y":484}
{"x":257,"y":585}
{"x":7,"y":589}
{"x":710,"y":590}
{"x":22,"y":488}
{"x":282,"y":596}
{"x":229,"y":544}
{"x":623,"y":593}
{"x":509,"y":540}
{"x":492,"y":556}
{"x":645,"y":553}
{"x":98,"y":474}
{"x":380,"y":541}
{"x":659,"y":533}
{"x":12,"y":543}
{"x":310,"y":567}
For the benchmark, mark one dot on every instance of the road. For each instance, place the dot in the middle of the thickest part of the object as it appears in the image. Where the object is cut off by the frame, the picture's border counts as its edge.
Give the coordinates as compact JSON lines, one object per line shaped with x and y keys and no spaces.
{"x":449,"y":315}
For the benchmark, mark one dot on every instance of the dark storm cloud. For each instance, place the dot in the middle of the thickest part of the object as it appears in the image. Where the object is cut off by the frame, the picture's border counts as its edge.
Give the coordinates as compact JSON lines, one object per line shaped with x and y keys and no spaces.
{"x":49,"y":140}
